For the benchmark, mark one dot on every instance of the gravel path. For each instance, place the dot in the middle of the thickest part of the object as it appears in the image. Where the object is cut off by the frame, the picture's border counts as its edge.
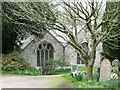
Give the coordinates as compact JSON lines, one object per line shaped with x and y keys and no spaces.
{"x":24,"y":81}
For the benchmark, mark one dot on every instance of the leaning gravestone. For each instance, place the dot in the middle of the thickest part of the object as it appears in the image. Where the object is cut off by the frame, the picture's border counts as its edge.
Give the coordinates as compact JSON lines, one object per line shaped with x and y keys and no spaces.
{"x":105,"y":70}
{"x":73,"y":68}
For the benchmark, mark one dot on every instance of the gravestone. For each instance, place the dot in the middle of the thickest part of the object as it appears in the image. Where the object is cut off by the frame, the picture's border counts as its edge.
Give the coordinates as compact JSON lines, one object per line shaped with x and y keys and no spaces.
{"x":105,"y":70}
{"x":73,"y":68}
{"x":115,"y":63}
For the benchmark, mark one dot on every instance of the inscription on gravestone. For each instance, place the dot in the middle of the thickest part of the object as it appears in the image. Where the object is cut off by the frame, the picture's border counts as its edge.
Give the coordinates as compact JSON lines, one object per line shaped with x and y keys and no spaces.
{"x":105,"y":70}
{"x":73,"y":68}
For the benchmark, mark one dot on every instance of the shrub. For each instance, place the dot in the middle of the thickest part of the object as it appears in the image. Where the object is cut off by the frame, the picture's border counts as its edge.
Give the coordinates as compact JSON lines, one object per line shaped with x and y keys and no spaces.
{"x":62,"y":69}
{"x":79,"y":77}
{"x":53,"y":66}
{"x":48,"y":67}
{"x":14,"y":61}
{"x":62,"y":63}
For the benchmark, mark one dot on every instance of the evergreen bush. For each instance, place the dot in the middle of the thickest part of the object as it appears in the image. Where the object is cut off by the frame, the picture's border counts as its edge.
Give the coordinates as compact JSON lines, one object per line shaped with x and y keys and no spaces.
{"x":14,"y":61}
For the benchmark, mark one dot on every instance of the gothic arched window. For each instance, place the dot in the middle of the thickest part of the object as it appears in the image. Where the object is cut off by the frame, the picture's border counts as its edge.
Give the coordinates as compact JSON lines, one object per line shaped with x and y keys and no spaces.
{"x":45,"y":51}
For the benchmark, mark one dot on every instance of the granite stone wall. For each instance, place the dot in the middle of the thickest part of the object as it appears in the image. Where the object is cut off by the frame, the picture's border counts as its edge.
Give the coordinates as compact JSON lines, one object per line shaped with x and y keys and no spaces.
{"x":30,"y":52}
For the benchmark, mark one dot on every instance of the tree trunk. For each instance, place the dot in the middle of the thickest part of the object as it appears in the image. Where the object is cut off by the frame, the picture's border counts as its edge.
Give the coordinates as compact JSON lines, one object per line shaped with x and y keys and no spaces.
{"x":90,"y":72}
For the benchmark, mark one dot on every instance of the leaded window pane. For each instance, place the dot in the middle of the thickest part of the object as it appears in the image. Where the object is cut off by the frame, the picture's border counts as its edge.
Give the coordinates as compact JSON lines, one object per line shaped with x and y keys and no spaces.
{"x":42,"y":55}
{"x":51,"y":54}
{"x":38,"y":58}
{"x":44,"y":52}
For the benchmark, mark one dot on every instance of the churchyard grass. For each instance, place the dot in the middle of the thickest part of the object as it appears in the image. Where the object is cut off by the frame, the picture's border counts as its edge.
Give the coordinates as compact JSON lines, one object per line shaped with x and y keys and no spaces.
{"x":90,"y":84}
{"x":113,"y":83}
{"x":83,"y":84}
{"x":35,"y":72}
{"x":82,"y":68}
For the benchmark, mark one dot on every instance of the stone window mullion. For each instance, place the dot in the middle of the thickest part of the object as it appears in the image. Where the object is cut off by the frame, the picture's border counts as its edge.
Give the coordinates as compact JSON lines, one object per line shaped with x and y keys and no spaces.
{"x":40,"y":57}
{"x":44,"y":52}
{"x":48,"y":54}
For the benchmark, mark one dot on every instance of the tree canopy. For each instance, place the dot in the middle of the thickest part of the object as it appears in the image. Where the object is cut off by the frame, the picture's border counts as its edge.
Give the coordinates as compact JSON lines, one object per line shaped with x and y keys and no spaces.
{"x":16,"y":22}
{"x":111,"y":46}
{"x":77,"y":17}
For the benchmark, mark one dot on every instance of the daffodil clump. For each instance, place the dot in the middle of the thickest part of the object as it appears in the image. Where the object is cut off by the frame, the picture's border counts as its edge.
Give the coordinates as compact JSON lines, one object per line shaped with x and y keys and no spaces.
{"x":114,"y":76}
{"x":78,"y":75}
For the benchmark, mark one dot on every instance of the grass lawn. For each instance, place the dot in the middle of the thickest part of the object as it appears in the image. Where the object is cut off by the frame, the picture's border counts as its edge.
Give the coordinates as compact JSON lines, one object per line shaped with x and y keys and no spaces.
{"x":82,"y":84}
{"x":80,"y":68}
{"x":90,"y":84}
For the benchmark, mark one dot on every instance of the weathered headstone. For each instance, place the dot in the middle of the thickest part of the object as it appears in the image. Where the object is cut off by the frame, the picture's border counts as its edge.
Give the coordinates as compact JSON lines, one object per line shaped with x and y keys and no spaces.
{"x":73,"y":68}
{"x":105,"y":70}
{"x":115,"y":63}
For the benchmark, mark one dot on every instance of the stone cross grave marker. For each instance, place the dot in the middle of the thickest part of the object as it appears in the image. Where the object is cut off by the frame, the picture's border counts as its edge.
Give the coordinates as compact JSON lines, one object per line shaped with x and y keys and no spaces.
{"x":105,"y":70}
{"x":73,"y":68}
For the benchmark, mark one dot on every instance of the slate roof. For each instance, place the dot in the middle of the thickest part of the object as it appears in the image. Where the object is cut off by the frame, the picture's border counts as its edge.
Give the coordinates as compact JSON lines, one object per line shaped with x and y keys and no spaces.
{"x":27,"y":41}
{"x":54,"y":33}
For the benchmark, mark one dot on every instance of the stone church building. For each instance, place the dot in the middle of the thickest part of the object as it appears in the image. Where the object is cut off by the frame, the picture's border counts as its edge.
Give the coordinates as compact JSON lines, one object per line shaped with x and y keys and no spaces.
{"x":37,"y":50}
